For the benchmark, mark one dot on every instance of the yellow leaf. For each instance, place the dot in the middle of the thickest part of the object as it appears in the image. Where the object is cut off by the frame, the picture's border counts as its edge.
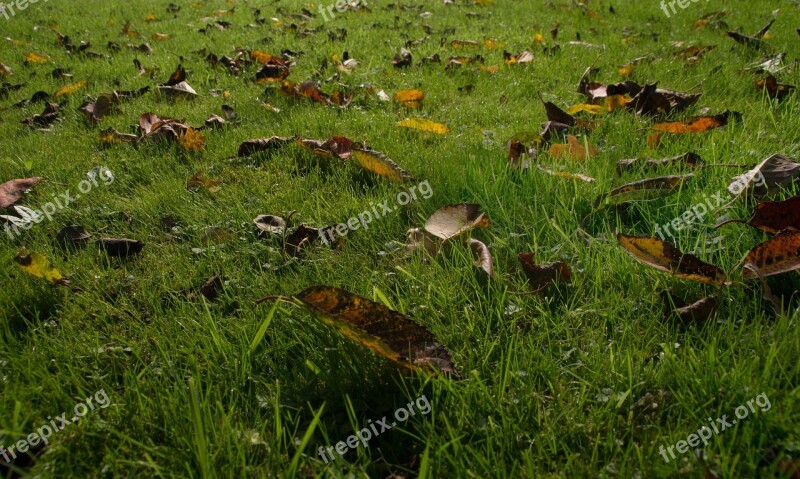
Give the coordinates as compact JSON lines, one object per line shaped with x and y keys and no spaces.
{"x":410,"y":98}
{"x":665,"y":257}
{"x":593,"y":109}
{"x":424,"y":125}
{"x":489,"y":69}
{"x":192,"y":140}
{"x":262,"y":57}
{"x":160,"y":37}
{"x":538,"y":38}
{"x":66,"y":90}
{"x":150,"y":17}
{"x":33,"y":57}
{"x":626,"y":70}
{"x":39,"y":266}
{"x":380,"y":164}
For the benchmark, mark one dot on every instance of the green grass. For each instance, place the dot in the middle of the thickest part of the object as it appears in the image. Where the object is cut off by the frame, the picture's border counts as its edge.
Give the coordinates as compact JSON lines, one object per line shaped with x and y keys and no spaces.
{"x":554,"y":385}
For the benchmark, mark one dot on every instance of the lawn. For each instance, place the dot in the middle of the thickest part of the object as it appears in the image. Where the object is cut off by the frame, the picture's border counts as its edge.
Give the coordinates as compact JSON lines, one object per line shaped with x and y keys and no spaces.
{"x":140,"y":363}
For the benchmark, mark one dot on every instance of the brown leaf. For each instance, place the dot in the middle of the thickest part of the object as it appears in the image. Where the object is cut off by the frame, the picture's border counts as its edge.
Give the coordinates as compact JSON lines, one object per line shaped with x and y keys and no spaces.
{"x":120,"y":247}
{"x":177,"y":77}
{"x":769,"y":177}
{"x":419,"y":239}
{"x":542,"y":276}
{"x":274,"y":70}
{"x":775,"y":90}
{"x":12,"y":191}
{"x":48,"y":116}
{"x":755,"y":41}
{"x":454,"y":220}
{"x":269,"y":145}
{"x":778,"y":255}
{"x":210,"y":290}
{"x":303,"y":237}
{"x":775,"y":217}
{"x":695,"y":312}
{"x":96,"y":110}
{"x":665,"y":257}
{"x":73,"y":236}
{"x":338,"y":146}
{"x":402,"y":59}
{"x":386,"y":332}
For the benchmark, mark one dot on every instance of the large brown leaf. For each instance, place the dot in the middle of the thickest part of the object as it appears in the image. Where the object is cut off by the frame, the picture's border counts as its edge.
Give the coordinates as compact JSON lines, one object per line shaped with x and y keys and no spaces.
{"x":453,"y":220}
{"x":769,"y":177}
{"x":542,"y":276}
{"x":12,"y":191}
{"x":664,"y":257}
{"x":384,"y":331}
{"x":778,"y":255}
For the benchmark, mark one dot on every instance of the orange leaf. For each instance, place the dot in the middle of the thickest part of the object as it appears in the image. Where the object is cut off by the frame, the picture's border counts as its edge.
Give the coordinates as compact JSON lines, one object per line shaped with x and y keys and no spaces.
{"x":573,"y":149}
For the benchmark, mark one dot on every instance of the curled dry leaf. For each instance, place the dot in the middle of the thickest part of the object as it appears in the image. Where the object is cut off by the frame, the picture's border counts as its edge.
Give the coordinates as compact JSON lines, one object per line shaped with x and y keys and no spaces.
{"x":665,"y":257}
{"x":386,"y":332}
{"x":270,"y":224}
{"x":769,"y":177}
{"x":12,"y":191}
{"x":303,"y":237}
{"x":268,"y":145}
{"x":36,"y":264}
{"x":48,"y":116}
{"x":424,"y":125}
{"x":698,"y":124}
{"x":778,"y":255}
{"x":775,"y":217}
{"x":540,"y":277}
{"x":338,"y":146}
{"x":482,"y":255}
{"x":274,"y":70}
{"x":573,"y":149}
{"x":454,"y":220}
{"x":648,"y":189}
{"x":696,"y":312}
{"x":120,"y":247}
{"x":775,"y":90}
{"x":96,"y":110}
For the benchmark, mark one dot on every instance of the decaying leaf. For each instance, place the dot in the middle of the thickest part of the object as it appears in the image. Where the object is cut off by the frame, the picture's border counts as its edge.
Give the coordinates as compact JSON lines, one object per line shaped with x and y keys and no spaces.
{"x":48,"y":116}
{"x":769,"y":177}
{"x":303,"y":237}
{"x":386,"y":332}
{"x":36,"y":264}
{"x":778,"y":255}
{"x":424,"y":125}
{"x":665,"y":257}
{"x":482,"y":255}
{"x":697,"y":124}
{"x":454,"y":220}
{"x":312,"y":92}
{"x":542,"y":276}
{"x":690,"y":159}
{"x":120,"y":247}
{"x":380,"y":164}
{"x":192,"y":140}
{"x":274,"y":70}
{"x":96,"y":110}
{"x":12,"y":191}
{"x":775,"y":90}
{"x":199,"y":181}
{"x":754,"y":41}
{"x":73,"y":235}
{"x":696,"y":312}
{"x":268,"y":145}
{"x":573,"y":149}
{"x":338,"y":146}
{"x":270,"y":224}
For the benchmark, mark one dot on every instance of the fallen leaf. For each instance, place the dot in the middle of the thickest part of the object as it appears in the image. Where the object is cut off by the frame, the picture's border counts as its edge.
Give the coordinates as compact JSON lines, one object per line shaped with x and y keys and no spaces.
{"x":47,"y":117}
{"x":33,"y":57}
{"x":573,"y":149}
{"x":386,"y":332}
{"x":270,"y":224}
{"x":73,"y":235}
{"x":648,"y":189}
{"x":199,"y":181}
{"x":665,"y":257}
{"x":454,"y":220}
{"x":775,"y":90}
{"x":303,"y":237}
{"x":409,"y":98}
{"x":778,"y":255}
{"x":66,"y":90}
{"x":11,"y":191}
{"x":769,"y":177}
{"x":482,"y":255}
{"x":96,"y":110}
{"x":269,"y":145}
{"x":380,"y":164}
{"x":540,"y":277}
{"x":696,"y":124}
{"x":192,"y":140}
{"x":424,"y":125}
{"x":39,"y":266}
{"x":689,"y":159}
{"x":696,"y":312}
{"x":120,"y":247}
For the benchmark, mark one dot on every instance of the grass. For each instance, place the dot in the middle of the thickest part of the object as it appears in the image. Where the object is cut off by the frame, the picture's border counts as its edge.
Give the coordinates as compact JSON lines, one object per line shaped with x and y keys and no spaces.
{"x":554,"y":385}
